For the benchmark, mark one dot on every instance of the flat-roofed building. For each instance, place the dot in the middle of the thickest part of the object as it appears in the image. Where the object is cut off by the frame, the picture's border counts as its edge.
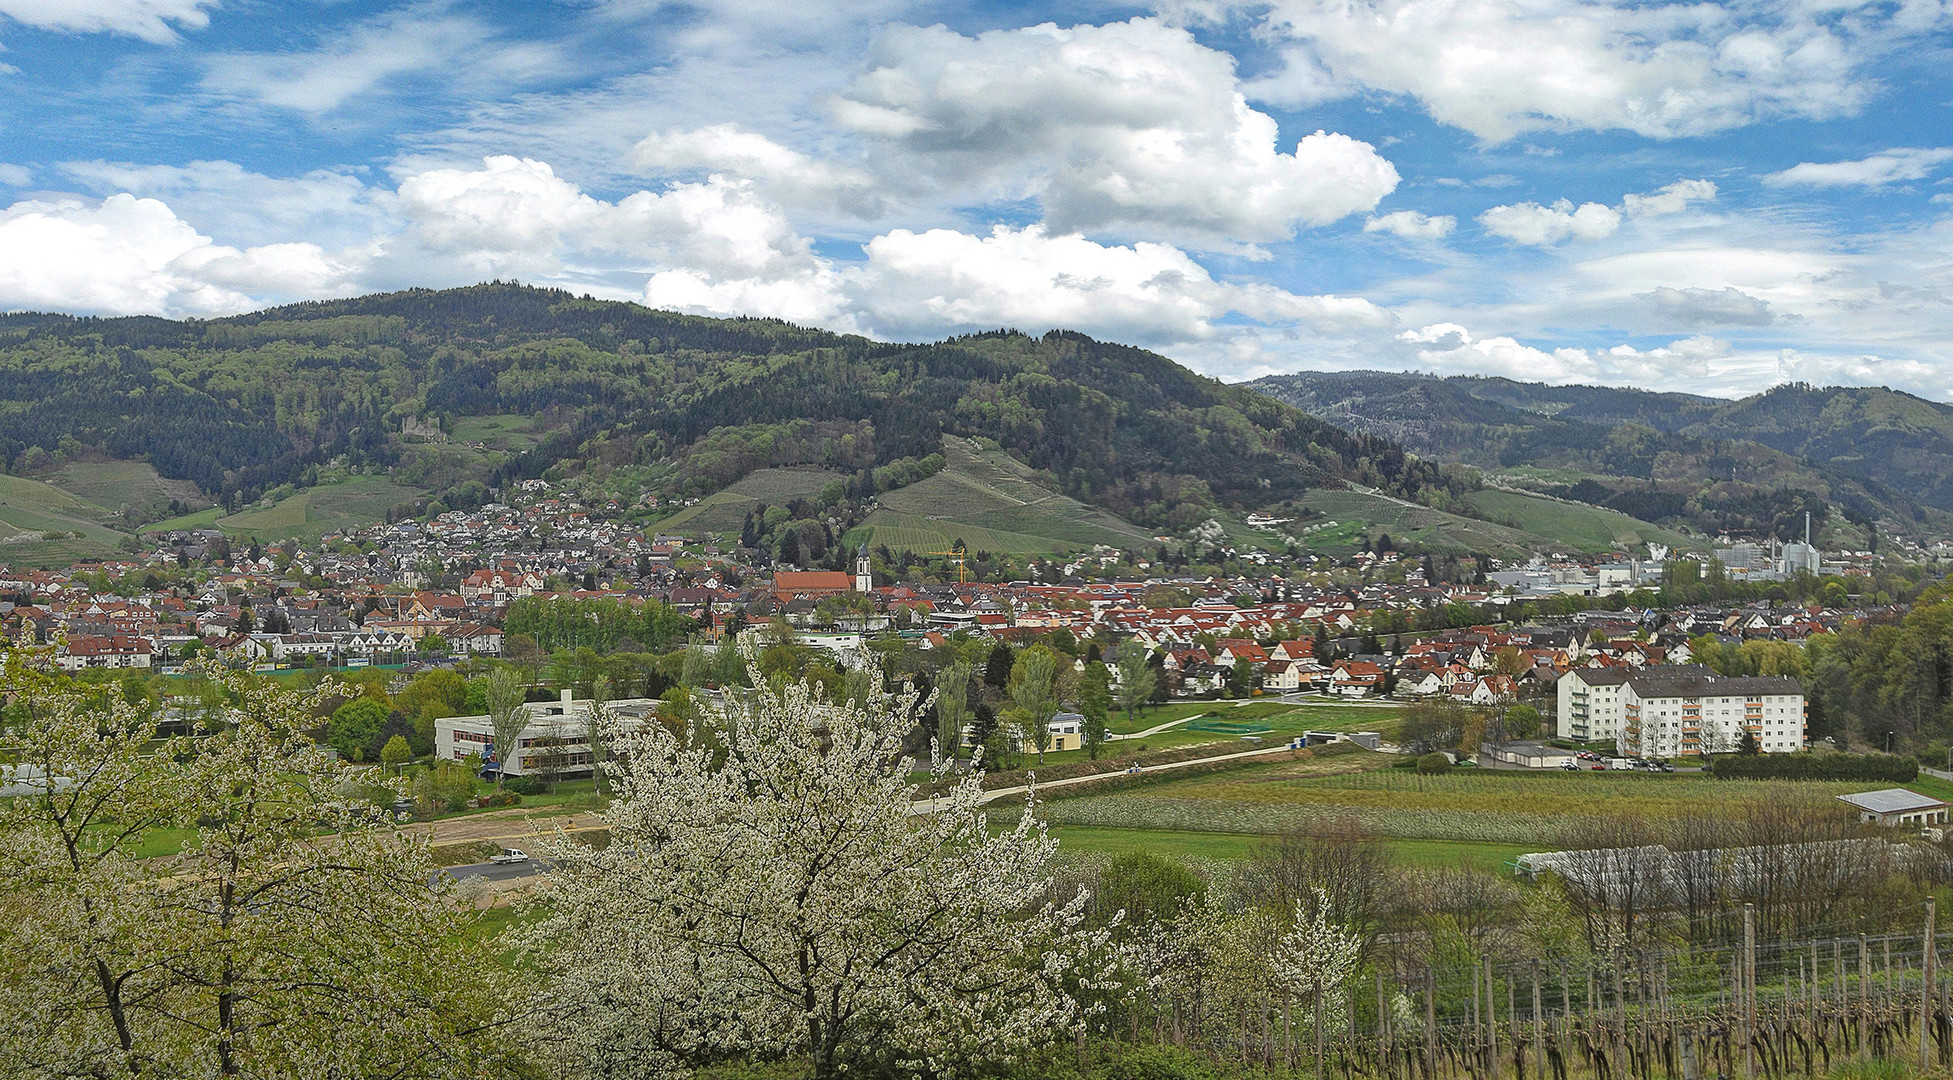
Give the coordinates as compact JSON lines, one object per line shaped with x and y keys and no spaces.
{"x":1896,"y":806}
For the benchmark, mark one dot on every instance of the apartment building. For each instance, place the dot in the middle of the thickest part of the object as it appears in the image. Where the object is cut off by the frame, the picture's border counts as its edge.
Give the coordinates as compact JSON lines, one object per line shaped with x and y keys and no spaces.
{"x":1680,"y":710}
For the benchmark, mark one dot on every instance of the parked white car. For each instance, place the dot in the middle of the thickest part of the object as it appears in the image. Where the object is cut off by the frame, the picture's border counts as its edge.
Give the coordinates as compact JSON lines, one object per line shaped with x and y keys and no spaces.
{"x":510,"y":855}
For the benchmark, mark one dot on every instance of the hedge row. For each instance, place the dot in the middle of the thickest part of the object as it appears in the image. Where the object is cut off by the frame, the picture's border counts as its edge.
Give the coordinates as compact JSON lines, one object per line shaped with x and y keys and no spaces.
{"x":1890,"y":768}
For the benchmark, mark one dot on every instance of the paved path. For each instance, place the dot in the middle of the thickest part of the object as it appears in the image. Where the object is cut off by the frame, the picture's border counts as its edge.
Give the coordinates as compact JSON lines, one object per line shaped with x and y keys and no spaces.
{"x":502,"y":826}
{"x":923,"y":806}
{"x":496,"y":871}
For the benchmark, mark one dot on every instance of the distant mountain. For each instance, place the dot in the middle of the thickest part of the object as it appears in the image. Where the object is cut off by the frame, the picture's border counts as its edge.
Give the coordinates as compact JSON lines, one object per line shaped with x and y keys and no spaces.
{"x":456,"y":390}
{"x":1850,"y":455}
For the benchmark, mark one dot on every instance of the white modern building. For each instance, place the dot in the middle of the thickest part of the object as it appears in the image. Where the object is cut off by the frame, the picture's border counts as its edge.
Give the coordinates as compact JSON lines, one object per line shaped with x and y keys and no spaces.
{"x":1590,"y":703}
{"x":557,"y":738}
{"x":1681,"y":710}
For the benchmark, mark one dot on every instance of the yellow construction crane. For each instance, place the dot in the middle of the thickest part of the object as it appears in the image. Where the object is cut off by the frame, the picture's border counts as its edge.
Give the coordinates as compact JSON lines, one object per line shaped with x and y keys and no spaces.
{"x":957,"y":557}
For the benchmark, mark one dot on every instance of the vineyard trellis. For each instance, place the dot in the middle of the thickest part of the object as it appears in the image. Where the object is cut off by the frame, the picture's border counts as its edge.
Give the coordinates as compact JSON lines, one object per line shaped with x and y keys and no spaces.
{"x":1749,"y":1009}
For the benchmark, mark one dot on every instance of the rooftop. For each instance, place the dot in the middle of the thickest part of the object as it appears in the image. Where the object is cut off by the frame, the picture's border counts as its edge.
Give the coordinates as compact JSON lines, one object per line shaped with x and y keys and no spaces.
{"x":1892,"y":801}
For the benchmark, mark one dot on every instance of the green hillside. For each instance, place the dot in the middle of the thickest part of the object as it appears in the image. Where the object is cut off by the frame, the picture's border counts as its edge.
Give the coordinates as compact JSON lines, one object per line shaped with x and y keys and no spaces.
{"x":1587,"y":528}
{"x":725,"y":511}
{"x":1849,"y":456}
{"x":523,"y":381}
{"x":306,"y":515}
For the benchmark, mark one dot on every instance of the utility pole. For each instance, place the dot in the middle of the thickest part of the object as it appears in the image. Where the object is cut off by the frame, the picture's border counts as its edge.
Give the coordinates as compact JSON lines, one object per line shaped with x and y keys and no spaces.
{"x":1926,"y":987}
{"x":1749,"y":991}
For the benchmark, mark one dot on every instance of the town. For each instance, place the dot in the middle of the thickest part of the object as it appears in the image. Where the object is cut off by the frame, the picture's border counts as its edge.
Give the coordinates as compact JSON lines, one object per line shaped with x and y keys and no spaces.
{"x":1578,"y":640}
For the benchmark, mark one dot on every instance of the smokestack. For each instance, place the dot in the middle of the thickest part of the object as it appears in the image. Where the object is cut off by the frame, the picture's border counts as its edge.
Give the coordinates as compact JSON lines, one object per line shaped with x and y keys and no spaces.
{"x":1807,"y":528}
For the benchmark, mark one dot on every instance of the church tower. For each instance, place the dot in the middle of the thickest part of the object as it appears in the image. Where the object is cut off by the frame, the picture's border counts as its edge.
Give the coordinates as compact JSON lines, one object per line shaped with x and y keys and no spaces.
{"x":864,"y":579}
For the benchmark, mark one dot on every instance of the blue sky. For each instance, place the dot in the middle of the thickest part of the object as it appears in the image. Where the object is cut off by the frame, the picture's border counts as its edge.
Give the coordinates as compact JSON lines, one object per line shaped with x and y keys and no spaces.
{"x":1700,"y":197}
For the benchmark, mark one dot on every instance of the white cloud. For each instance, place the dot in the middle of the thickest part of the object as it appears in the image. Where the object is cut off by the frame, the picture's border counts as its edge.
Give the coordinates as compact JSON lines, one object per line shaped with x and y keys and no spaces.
{"x":516,"y":216}
{"x":1412,"y":225}
{"x":422,"y":45}
{"x":784,"y":173}
{"x":125,"y":255}
{"x":1449,"y":347}
{"x":147,"y":19}
{"x":1500,"y":69}
{"x":15,"y":176}
{"x":237,"y":205}
{"x":1889,"y":167}
{"x":1531,"y":223}
{"x":1672,"y":199}
{"x":1127,"y":126}
{"x":941,"y":279}
{"x":1728,"y":306}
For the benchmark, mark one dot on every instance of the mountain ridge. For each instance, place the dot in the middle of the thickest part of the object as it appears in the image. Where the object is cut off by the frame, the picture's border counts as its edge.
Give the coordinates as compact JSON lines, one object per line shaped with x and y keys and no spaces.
{"x":253,"y":407}
{"x":1856,"y":455}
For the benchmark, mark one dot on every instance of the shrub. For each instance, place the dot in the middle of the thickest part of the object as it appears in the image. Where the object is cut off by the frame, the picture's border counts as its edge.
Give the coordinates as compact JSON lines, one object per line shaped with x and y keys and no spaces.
{"x":522,"y":785}
{"x":1889,"y":768}
{"x":1433,"y":764}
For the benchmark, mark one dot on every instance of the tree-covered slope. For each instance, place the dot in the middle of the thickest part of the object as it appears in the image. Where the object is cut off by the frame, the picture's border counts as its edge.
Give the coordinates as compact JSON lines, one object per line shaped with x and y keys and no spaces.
{"x":244,"y":405}
{"x":1754,"y":465}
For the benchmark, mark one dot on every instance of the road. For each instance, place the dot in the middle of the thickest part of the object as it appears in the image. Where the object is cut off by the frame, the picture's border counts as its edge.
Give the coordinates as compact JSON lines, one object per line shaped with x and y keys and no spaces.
{"x":497,"y":871}
{"x":923,"y":806}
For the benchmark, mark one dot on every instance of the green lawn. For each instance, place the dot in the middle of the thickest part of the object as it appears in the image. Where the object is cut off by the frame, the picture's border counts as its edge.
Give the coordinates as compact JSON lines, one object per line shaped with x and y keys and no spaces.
{"x":1513,"y":809}
{"x":1490,"y":858}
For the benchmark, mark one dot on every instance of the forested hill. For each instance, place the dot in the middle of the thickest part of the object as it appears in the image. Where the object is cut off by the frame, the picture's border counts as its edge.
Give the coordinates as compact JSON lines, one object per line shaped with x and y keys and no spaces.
{"x":243,"y":405}
{"x":1848,"y":454}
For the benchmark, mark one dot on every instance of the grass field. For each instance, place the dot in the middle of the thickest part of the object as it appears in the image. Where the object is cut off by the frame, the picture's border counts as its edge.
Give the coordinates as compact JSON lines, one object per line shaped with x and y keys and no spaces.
{"x":1588,"y":528}
{"x":360,"y":500}
{"x":1508,"y":809}
{"x":1358,"y":515}
{"x":1516,"y":523}
{"x":504,"y":431}
{"x":1491,"y":858}
{"x":114,"y":485}
{"x":992,"y":502}
{"x":30,"y":509}
{"x":21,"y":493}
{"x":725,"y":511}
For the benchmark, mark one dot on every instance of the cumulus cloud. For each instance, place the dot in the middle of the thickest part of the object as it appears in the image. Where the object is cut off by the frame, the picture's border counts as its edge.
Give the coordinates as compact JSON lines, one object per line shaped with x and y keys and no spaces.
{"x":1451,"y":347}
{"x":151,"y":20}
{"x":1531,"y":223}
{"x":125,"y":255}
{"x":1662,"y":70}
{"x":1728,"y":306}
{"x":515,"y":216}
{"x":1878,"y":170}
{"x":784,"y":173}
{"x":235,"y":204}
{"x":1127,"y":126}
{"x":1672,"y":199}
{"x":943,"y":279}
{"x":1412,"y":225}
{"x":15,"y":176}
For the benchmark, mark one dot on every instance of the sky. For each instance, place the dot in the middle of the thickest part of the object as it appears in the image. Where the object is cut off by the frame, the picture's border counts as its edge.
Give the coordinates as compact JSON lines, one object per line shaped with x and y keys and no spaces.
{"x":1707,"y":197}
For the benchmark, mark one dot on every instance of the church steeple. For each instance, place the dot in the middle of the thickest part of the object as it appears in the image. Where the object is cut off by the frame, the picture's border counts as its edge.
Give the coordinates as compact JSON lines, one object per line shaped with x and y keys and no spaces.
{"x":864,"y":578}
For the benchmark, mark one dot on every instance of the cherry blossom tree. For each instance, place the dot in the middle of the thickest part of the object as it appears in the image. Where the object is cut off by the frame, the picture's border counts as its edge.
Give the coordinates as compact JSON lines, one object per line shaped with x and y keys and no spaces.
{"x":778,"y":890}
